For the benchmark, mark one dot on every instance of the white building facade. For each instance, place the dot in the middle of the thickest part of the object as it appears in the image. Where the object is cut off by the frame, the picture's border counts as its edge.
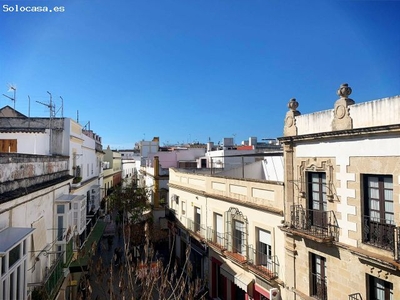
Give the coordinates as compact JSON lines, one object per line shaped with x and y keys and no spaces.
{"x":51,"y":187}
{"x":230,"y":226}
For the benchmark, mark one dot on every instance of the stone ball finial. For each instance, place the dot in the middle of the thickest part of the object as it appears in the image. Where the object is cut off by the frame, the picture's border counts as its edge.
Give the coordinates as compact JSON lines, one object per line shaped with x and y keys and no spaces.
{"x":344,"y":91}
{"x":293,"y":104}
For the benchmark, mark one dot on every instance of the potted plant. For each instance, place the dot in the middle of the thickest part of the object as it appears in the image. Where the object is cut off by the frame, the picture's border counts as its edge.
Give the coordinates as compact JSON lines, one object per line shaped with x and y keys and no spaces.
{"x":76,"y":180}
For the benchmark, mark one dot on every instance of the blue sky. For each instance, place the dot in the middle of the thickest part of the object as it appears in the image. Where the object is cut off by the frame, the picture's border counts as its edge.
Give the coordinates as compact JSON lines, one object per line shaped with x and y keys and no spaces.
{"x":190,"y":70}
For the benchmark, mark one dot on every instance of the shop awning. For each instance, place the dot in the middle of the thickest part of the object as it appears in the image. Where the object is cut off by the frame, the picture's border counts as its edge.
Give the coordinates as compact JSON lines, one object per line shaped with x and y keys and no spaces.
{"x":238,"y":276}
{"x":82,"y":261}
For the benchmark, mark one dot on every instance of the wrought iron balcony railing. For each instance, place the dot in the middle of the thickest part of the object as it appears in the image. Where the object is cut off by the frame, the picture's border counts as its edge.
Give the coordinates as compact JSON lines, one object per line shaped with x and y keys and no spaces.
{"x":379,"y":232}
{"x":216,"y":238}
{"x":54,"y":278}
{"x":397,"y":253}
{"x":383,"y":234}
{"x":318,"y":287}
{"x":263,"y":264}
{"x":198,"y":229}
{"x":356,"y":296}
{"x":236,"y":247}
{"x":69,"y":253}
{"x":317,"y":223}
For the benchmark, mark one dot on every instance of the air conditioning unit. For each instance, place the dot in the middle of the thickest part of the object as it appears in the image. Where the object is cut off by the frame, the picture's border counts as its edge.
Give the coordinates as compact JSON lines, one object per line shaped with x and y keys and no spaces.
{"x":274,"y":294}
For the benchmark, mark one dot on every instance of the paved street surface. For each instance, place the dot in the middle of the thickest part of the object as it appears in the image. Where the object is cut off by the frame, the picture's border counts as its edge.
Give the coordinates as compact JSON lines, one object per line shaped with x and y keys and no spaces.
{"x":99,"y":278}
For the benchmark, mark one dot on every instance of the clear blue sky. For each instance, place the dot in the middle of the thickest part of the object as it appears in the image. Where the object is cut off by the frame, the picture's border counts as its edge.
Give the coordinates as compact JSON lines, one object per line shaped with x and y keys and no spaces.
{"x":190,"y":70}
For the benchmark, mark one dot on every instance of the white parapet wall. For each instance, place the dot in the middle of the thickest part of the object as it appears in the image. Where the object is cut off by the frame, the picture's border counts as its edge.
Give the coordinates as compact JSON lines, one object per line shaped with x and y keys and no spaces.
{"x":379,"y":112}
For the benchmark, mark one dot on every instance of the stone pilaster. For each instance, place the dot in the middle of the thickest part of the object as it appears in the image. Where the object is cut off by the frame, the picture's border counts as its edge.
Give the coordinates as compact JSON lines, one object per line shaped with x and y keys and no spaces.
{"x":288,"y":154}
{"x":290,"y":266}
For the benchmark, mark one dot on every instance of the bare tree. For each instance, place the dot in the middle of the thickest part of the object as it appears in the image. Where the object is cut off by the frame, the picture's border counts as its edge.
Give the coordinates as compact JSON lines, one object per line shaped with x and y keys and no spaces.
{"x":136,"y":271}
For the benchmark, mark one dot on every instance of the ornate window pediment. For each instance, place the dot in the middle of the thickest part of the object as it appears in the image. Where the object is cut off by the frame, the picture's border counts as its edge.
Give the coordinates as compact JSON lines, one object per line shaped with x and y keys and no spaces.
{"x":316,"y":165}
{"x":237,"y":231}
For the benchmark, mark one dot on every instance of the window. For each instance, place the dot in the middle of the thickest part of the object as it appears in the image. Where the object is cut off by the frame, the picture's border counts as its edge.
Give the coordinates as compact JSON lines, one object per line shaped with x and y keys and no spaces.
{"x":317,"y":198}
{"x":183,"y":207}
{"x":203,"y":163}
{"x":318,"y":277}
{"x":76,"y":218}
{"x":3,"y":265}
{"x":60,"y":227}
{"x":238,"y":237}
{"x":264,"y":251}
{"x":14,"y":255}
{"x":218,"y":282}
{"x":78,"y":171}
{"x":378,"y":210}
{"x":379,"y":289}
{"x":13,"y":268}
{"x":219,"y":231}
{"x":60,"y":208}
{"x":83,"y":218}
{"x":8,"y":146}
{"x":236,"y":231}
{"x":197,"y":219}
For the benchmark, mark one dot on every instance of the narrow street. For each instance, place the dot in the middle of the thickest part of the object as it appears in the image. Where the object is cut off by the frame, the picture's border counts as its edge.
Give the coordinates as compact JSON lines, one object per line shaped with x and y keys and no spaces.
{"x":108,"y":276}
{"x":105,"y":272}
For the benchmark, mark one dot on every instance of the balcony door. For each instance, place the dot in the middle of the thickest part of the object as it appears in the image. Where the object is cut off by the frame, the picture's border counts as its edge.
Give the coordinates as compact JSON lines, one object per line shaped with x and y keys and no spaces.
{"x":239,"y":237}
{"x":219,"y":229}
{"x":264,"y":251}
{"x":197,"y":219}
{"x":318,"y":277}
{"x":317,"y":199}
{"x":379,"y":214}
{"x":380,"y":289}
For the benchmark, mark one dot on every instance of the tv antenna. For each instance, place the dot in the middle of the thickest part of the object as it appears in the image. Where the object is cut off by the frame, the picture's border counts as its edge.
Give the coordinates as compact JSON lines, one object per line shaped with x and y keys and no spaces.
{"x":50,"y":105}
{"x":52,"y":109}
{"x":87,"y":126}
{"x":62,"y":107}
{"x":12,"y":87}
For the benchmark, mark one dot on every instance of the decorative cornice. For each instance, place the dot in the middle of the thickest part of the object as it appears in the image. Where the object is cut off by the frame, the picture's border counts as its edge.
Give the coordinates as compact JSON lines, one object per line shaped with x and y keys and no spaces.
{"x":348,"y":133}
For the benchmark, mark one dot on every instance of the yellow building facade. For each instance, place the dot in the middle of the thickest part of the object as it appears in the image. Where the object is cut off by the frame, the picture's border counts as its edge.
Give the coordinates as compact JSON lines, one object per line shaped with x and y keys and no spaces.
{"x":342,"y":200}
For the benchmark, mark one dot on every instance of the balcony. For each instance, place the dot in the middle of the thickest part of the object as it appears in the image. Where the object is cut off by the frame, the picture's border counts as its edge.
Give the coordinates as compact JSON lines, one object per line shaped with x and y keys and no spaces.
{"x":196,"y":228}
{"x":356,"y":296}
{"x":69,"y":253}
{"x":216,"y":239}
{"x":54,"y":278}
{"x":263,"y":264}
{"x":236,"y":248}
{"x":321,"y":226}
{"x":383,"y":234}
{"x":318,"y":287}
